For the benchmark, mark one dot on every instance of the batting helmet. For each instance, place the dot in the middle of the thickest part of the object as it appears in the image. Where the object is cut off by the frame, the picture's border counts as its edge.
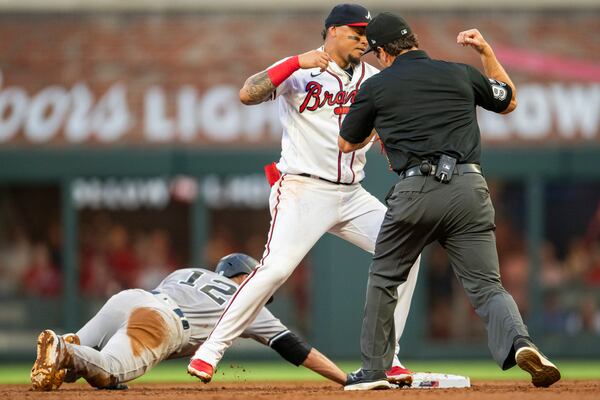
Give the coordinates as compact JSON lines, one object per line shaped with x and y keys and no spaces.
{"x":235,"y":264}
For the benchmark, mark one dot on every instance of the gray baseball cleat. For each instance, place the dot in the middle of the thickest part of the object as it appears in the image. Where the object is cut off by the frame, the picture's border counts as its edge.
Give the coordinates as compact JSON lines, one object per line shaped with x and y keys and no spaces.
{"x":364,"y":379}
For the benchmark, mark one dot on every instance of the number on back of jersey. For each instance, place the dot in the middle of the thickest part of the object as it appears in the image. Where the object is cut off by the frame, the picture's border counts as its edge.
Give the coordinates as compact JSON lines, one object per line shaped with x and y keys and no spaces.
{"x":216,"y":290}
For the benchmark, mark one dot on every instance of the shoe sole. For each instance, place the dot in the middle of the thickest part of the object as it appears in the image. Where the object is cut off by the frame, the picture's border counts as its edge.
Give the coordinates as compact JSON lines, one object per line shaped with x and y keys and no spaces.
{"x":543,"y":372}
{"x":45,"y":375}
{"x":375,"y":385}
{"x":401,"y":380}
{"x":203,"y":376}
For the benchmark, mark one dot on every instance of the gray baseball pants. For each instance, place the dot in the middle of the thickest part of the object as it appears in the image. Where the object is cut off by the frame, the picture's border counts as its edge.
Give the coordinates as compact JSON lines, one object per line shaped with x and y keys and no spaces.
{"x":131,"y":333}
{"x":459,"y":215}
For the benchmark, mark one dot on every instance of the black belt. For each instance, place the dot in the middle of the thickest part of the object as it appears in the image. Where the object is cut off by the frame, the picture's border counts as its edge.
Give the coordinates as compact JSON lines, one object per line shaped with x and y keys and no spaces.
{"x":460,"y":169}
{"x":327,"y":180}
{"x":176,"y":310}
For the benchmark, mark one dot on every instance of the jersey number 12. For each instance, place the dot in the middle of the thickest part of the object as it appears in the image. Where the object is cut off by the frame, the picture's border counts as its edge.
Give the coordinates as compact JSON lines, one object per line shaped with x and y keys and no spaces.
{"x":214,"y":290}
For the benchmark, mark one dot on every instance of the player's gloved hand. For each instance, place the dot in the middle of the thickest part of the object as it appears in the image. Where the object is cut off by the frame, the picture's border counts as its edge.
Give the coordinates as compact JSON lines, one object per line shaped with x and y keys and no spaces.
{"x":314,"y":59}
{"x":474,"y":39}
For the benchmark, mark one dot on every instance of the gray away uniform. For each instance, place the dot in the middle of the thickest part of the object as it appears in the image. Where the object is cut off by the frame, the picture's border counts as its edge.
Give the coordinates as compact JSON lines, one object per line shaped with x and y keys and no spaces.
{"x":137,"y":329}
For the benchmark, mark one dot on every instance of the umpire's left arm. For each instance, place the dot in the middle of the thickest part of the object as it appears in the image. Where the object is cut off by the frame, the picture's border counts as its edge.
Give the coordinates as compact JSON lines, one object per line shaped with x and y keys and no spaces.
{"x":492,"y":67}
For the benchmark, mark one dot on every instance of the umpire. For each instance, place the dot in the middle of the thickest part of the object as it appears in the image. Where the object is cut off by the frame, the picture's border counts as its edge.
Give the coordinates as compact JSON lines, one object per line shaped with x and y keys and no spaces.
{"x":424,"y":113}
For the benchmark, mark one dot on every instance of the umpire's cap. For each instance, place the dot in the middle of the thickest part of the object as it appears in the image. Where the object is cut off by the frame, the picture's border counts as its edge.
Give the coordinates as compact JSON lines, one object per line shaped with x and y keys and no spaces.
{"x":235,"y":264}
{"x":385,"y":28}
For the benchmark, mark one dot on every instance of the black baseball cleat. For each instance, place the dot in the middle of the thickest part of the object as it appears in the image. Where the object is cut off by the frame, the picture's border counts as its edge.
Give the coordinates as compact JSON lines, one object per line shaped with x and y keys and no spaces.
{"x":116,"y":386}
{"x":530,"y":359}
{"x":365,"y":379}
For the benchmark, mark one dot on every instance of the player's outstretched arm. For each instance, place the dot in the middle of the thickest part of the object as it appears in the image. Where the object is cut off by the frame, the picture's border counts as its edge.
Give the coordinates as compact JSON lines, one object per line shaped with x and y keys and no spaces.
{"x":260,"y":87}
{"x":267,"y":329}
{"x":491,"y":65}
{"x":323,"y":366}
{"x":296,"y":351}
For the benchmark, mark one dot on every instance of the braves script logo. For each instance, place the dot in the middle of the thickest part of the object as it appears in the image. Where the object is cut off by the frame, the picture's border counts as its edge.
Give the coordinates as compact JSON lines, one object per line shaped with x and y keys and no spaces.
{"x":316,"y":98}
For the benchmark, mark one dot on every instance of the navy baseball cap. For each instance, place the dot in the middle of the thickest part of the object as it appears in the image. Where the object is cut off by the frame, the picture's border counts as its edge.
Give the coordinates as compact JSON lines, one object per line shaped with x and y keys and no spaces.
{"x":385,"y":28}
{"x":348,"y":14}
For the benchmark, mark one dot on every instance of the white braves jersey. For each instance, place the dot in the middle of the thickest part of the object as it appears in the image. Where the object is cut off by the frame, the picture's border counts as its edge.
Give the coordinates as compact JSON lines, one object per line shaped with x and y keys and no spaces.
{"x":202,"y":295}
{"x":312,"y":105}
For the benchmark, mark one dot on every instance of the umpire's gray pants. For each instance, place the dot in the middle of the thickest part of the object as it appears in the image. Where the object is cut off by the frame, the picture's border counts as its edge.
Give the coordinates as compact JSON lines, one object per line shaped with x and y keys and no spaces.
{"x":460,"y":216}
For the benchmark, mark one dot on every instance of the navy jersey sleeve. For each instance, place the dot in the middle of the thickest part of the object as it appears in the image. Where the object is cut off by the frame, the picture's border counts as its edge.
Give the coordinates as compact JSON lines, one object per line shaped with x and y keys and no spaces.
{"x":359,"y":122}
{"x":490,"y":94}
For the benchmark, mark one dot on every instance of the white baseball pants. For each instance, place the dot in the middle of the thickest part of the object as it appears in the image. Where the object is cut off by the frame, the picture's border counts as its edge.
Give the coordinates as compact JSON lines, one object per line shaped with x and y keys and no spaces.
{"x":302,"y":210}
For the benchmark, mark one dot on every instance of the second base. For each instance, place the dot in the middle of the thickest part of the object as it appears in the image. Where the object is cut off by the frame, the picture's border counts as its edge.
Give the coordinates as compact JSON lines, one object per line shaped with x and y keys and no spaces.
{"x":429,"y":380}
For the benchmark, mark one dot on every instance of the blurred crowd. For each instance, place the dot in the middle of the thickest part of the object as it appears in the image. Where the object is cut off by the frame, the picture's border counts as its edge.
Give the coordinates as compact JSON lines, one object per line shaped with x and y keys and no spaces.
{"x":111,"y":258}
{"x":116,"y":253}
{"x":569,"y":276}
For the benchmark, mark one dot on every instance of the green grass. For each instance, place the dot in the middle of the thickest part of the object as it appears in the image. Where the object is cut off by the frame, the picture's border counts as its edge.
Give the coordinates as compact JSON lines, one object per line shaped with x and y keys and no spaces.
{"x":174,"y":371}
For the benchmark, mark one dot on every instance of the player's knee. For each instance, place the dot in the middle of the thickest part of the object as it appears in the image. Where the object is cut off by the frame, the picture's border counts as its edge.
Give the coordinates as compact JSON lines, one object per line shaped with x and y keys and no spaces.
{"x":104,"y":377}
{"x":99,"y":381}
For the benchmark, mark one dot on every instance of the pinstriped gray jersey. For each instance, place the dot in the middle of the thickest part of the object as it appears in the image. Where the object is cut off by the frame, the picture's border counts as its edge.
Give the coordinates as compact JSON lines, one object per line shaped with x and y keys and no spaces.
{"x":202,"y":295}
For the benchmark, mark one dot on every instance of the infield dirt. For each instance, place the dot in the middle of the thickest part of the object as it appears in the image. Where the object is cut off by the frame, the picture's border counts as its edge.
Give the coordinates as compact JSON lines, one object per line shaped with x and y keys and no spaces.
{"x":484,"y":390}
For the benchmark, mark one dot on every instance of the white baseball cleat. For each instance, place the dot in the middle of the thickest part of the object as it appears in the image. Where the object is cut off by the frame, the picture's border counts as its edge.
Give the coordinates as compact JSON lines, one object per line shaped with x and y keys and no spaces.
{"x":46,"y":373}
{"x":543,"y":372}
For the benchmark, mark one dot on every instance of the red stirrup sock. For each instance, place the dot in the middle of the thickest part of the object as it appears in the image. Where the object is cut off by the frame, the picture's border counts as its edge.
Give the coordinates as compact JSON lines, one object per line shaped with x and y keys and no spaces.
{"x":280,"y":72}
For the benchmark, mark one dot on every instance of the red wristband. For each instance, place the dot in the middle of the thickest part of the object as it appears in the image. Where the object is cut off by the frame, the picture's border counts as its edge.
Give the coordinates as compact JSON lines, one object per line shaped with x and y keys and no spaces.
{"x":280,"y":72}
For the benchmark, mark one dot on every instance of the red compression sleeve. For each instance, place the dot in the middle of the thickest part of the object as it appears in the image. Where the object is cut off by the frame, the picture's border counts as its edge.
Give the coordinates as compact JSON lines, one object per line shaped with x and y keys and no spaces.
{"x":280,"y":72}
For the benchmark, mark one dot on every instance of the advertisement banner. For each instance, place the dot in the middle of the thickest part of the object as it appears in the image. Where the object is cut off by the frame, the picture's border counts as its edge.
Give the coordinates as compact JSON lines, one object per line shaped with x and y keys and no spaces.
{"x":173,"y":79}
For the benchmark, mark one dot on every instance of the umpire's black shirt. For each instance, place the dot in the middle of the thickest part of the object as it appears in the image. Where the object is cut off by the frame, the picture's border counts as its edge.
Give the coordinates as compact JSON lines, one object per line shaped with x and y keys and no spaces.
{"x":422,"y":108}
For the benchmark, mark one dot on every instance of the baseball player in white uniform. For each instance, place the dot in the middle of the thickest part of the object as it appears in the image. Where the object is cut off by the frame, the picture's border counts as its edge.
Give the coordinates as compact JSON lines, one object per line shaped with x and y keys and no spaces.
{"x":315,"y":188}
{"x":137,"y":329}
